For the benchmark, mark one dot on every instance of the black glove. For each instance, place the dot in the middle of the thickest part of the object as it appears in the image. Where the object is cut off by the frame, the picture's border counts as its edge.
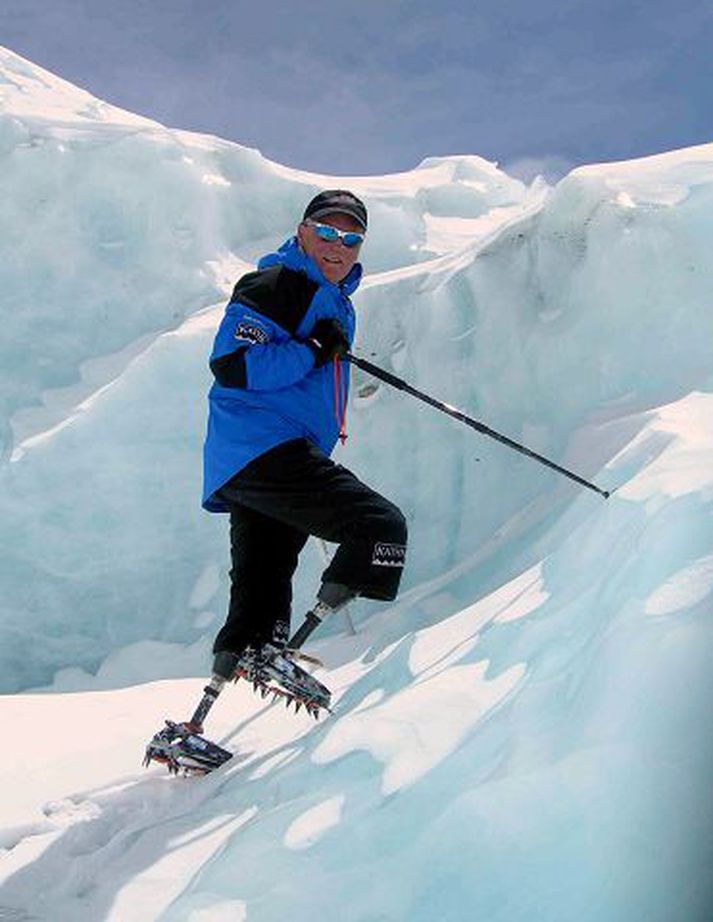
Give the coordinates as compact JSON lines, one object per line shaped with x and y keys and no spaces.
{"x":327,"y":340}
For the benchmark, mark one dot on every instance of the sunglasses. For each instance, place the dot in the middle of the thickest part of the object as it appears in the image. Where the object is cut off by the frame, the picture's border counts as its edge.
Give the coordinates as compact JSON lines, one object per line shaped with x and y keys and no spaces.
{"x":326,"y":232}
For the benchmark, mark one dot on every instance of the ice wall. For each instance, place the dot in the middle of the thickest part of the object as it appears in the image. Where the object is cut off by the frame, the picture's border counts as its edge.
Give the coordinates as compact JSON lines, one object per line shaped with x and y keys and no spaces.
{"x":523,"y":735}
{"x":134,"y":229}
{"x":593,"y":308}
{"x":115,"y":226}
{"x":481,"y":290}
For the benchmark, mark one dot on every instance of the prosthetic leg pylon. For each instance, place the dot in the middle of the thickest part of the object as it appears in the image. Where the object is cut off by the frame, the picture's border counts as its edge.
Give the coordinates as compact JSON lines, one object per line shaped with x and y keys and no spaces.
{"x":271,"y":670}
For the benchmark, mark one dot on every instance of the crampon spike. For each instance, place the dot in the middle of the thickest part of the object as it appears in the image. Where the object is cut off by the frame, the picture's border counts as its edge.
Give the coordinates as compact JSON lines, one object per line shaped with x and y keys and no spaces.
{"x":276,"y":673}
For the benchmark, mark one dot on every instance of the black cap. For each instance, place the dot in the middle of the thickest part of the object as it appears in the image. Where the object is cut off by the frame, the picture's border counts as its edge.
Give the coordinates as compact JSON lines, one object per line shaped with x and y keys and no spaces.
{"x":336,"y":201}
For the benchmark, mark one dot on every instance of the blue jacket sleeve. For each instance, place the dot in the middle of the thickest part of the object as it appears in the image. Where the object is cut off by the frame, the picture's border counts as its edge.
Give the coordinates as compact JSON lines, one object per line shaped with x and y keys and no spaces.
{"x":255,"y":353}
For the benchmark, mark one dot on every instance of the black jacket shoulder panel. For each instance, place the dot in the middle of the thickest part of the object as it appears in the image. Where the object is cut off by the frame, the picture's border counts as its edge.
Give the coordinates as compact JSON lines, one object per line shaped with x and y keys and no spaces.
{"x":229,"y":370}
{"x":280,"y":294}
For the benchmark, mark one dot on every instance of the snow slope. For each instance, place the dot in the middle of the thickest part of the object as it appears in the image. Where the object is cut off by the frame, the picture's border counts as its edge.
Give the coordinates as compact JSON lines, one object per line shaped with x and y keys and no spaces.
{"x":523,"y":734}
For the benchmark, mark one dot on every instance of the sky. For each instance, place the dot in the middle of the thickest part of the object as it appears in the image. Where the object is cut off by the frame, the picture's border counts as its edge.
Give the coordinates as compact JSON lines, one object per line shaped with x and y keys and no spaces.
{"x":352,"y":88}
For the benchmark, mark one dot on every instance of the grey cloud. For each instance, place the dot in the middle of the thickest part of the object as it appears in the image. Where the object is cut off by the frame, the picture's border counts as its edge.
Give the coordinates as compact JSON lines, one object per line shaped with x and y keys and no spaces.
{"x":341,"y":88}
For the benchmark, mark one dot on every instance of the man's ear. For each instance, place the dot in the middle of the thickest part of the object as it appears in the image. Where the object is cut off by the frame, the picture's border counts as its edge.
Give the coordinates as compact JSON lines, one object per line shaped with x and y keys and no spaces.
{"x":300,"y":235}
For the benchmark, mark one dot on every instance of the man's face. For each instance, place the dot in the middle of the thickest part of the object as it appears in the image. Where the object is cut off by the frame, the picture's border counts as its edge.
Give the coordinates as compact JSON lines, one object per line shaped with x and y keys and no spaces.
{"x":332,"y":258}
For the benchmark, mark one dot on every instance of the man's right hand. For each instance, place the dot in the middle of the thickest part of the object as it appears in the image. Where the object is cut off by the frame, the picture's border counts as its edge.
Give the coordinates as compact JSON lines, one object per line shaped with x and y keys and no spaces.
{"x":327,"y":340}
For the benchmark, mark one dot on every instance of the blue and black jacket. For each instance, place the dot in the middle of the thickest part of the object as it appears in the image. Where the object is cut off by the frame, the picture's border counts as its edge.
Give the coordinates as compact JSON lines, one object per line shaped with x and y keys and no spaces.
{"x":267,"y":389}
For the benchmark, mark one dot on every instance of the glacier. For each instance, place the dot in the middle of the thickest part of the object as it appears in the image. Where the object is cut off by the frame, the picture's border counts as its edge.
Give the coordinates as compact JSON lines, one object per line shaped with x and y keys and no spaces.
{"x":523,"y":734}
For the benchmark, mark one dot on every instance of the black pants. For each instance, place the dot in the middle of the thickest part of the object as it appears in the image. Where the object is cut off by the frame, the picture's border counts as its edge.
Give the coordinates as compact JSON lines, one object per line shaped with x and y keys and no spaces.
{"x":275,"y":503}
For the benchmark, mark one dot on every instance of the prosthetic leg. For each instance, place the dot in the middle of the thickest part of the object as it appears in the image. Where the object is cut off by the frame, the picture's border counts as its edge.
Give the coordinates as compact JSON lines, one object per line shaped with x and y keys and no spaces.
{"x":272,"y":671}
{"x":330,"y":599}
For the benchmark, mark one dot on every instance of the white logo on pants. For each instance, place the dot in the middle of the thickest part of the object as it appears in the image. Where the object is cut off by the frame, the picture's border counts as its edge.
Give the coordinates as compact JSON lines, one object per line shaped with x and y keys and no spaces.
{"x":389,"y":555}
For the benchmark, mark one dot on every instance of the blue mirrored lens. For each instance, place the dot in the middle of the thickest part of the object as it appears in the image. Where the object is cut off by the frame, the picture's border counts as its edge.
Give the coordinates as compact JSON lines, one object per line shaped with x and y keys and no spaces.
{"x":326,"y":232}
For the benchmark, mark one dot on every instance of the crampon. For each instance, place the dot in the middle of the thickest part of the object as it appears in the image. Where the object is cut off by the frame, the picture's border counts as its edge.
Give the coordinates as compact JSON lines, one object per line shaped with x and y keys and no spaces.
{"x":181,"y":749}
{"x":273,"y":671}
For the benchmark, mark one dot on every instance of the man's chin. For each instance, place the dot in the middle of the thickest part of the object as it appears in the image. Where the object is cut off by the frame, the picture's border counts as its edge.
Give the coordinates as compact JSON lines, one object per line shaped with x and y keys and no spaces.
{"x":334,"y":274}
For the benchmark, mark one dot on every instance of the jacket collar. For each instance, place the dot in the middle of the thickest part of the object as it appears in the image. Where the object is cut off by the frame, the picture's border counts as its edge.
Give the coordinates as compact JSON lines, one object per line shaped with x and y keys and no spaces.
{"x":292,"y":256}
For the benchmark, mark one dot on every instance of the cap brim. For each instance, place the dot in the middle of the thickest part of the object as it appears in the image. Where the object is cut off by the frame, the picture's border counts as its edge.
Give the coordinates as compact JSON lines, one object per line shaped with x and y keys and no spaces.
{"x":337,"y":209}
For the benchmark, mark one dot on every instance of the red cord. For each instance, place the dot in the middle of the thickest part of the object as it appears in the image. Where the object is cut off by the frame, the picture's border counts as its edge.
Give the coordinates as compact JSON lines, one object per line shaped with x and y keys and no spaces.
{"x":340,"y":402}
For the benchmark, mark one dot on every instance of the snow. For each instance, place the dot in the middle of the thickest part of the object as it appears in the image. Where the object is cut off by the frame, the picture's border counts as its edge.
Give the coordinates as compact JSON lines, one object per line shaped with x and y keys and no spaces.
{"x":684,"y":589}
{"x":523,"y":734}
{"x":420,"y":725}
{"x":154,"y":887}
{"x":314,"y":823}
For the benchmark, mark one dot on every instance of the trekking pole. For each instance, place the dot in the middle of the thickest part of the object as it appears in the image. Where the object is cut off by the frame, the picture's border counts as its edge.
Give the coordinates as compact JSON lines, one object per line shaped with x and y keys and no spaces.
{"x":402,"y":385}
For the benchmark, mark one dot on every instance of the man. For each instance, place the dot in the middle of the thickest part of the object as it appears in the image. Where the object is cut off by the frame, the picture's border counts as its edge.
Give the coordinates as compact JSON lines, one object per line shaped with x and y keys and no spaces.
{"x":276,"y":410}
